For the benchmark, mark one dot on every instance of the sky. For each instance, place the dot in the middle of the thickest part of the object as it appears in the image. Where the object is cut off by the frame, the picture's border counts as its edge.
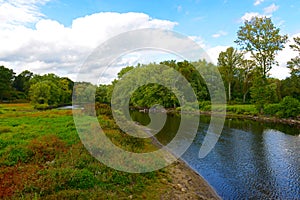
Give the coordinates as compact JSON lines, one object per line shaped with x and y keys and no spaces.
{"x":57,"y":36}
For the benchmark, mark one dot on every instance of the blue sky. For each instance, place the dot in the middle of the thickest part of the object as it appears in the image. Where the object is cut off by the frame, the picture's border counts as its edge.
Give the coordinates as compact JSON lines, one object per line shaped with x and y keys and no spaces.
{"x":194,"y":17}
{"x":55,"y":36}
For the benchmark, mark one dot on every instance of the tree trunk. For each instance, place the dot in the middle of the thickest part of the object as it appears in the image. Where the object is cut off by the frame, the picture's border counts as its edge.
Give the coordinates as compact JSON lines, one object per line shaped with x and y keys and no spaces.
{"x":244,"y":97}
{"x":229,"y":92}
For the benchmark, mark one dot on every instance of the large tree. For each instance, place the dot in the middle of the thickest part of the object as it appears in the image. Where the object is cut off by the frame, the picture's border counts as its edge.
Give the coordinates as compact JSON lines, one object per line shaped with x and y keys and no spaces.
{"x":294,"y":63}
{"x":246,"y":70}
{"x":262,"y":39}
{"x":6,"y":79}
{"x":228,"y":62}
{"x":22,"y":81}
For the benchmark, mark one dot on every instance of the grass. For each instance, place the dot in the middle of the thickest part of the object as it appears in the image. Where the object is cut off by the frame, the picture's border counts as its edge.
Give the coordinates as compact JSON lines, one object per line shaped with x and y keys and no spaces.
{"x":41,"y":157}
{"x":242,"y":109}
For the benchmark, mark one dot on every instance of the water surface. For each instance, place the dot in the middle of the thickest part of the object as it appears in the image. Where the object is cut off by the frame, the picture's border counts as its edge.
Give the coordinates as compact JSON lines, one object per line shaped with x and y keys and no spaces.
{"x":251,"y":160}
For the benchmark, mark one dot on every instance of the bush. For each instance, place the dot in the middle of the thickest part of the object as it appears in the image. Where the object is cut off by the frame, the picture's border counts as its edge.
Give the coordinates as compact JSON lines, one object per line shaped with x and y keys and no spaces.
{"x":41,"y":106}
{"x":289,"y":107}
{"x":272,"y":109}
{"x":205,"y":105}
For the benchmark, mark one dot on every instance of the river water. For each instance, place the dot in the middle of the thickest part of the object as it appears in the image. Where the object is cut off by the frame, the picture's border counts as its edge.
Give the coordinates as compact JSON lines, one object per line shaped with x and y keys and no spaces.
{"x":252,"y":160}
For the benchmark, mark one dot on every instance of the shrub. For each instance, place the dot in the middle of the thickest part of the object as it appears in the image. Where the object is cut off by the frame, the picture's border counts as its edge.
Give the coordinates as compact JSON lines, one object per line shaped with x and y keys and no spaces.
{"x":205,"y":105}
{"x":289,"y":107}
{"x":272,"y":109}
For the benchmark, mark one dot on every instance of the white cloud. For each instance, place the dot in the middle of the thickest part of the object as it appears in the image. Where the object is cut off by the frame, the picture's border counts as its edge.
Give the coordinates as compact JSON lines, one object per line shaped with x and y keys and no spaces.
{"x":283,"y":57}
{"x":20,"y":11}
{"x":249,"y":15}
{"x":270,"y":9}
{"x":214,"y":52}
{"x":258,"y":2}
{"x":50,"y":47}
{"x":219,"y":34}
{"x":199,"y":40}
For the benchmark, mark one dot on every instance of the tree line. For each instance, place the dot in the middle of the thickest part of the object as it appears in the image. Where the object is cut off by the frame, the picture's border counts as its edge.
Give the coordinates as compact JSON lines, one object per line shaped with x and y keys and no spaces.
{"x":245,"y":72}
{"x":42,"y":90}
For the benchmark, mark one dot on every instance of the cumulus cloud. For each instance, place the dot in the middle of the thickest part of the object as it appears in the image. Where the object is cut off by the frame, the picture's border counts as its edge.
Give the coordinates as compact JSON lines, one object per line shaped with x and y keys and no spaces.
{"x":249,"y":15}
{"x":268,"y":11}
{"x":50,"y":47}
{"x":214,"y":52}
{"x":283,"y":57}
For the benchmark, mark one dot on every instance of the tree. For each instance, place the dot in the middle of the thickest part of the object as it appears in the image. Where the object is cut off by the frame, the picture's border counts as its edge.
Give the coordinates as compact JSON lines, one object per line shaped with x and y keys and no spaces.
{"x":124,"y":71}
{"x":246,"y":72}
{"x":102,"y":94}
{"x":22,"y":81}
{"x":294,"y":63}
{"x":261,"y":38}
{"x":6,"y":80}
{"x":263,"y":92}
{"x":228,"y":62}
{"x":40,"y":93}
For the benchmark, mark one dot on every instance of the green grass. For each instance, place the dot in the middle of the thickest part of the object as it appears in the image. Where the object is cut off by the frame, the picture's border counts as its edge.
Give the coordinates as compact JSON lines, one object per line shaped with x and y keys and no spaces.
{"x":242,"y":109}
{"x":41,"y":157}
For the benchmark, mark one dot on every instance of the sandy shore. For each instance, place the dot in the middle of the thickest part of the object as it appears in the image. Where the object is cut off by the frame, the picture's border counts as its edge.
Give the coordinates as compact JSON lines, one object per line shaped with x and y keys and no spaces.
{"x":187,"y":184}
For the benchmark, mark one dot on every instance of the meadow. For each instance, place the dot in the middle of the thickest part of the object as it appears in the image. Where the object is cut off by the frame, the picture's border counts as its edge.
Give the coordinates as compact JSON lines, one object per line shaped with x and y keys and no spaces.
{"x":42,"y":157}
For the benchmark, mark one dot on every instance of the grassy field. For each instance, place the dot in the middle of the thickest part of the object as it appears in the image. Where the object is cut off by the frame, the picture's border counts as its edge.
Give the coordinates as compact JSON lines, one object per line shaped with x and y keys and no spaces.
{"x":41,"y":157}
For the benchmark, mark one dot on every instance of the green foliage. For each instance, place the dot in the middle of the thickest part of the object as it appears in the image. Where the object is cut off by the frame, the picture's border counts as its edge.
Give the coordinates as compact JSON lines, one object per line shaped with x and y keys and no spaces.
{"x":289,"y":107}
{"x":22,"y":82}
{"x":272,"y":109}
{"x":205,"y":105}
{"x":261,"y":38}
{"x":291,"y":87}
{"x":50,"y":90}
{"x":263,"y":93}
{"x":294,"y":63}
{"x":228,"y":63}
{"x":6,"y":78}
{"x":84,"y":93}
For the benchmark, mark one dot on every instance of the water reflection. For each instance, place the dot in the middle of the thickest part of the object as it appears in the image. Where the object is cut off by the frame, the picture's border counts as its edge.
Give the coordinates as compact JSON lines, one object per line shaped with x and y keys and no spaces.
{"x":251,"y":159}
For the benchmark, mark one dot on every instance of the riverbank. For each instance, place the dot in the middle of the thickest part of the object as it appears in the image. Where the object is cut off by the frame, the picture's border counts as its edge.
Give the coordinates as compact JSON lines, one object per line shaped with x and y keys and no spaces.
{"x":241,"y":112}
{"x":260,"y":118}
{"x":186,"y":183}
{"x":42,"y":157}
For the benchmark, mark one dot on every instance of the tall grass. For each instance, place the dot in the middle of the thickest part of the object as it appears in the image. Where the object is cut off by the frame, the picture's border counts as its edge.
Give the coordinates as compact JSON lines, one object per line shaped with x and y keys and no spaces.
{"x":41,"y":157}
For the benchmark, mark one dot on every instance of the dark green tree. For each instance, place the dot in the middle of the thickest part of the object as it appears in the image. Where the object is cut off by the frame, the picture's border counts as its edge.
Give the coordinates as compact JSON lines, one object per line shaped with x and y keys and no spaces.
{"x":247,"y":73}
{"x":294,"y":63}
{"x":6,"y":80}
{"x":228,"y":63}
{"x":22,"y":81}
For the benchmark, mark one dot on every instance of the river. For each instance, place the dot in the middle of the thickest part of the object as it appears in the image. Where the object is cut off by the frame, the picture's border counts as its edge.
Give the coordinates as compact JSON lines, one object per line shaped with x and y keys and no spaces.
{"x":252,"y":160}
